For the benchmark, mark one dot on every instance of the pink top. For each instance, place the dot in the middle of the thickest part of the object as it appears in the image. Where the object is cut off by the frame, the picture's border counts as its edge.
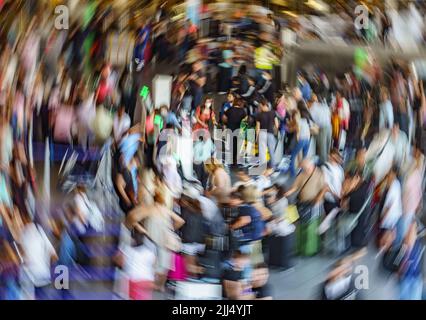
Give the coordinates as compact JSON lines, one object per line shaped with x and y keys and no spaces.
{"x":412,"y":193}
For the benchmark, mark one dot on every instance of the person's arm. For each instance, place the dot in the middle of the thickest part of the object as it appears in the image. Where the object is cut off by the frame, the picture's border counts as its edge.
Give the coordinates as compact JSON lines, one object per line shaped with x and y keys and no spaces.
{"x":120,"y":183}
{"x":257,"y":129}
{"x":178,"y":222}
{"x":225,"y":119}
{"x":265,"y":87}
{"x":241,"y":221}
{"x":295,"y":187}
{"x":249,"y":92}
{"x":320,"y":195}
{"x":135,"y":216}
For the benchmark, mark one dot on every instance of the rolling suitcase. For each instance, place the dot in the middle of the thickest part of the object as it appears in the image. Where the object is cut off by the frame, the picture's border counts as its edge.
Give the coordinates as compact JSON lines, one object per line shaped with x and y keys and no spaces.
{"x":308,"y":241}
{"x":281,"y":251}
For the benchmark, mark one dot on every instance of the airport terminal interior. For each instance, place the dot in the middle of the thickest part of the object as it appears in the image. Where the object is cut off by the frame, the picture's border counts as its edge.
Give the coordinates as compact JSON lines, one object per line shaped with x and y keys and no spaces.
{"x":212,"y":150}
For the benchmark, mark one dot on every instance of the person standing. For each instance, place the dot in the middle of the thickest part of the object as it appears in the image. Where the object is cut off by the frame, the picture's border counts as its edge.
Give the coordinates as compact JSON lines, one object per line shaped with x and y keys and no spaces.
{"x":321,"y":115}
{"x":232,"y":120}
{"x":342,"y":111}
{"x":266,"y":125}
{"x":224,"y":80}
{"x":204,"y":115}
{"x":197,"y":81}
{"x":303,"y":137}
{"x":121,"y":123}
{"x":311,"y":187}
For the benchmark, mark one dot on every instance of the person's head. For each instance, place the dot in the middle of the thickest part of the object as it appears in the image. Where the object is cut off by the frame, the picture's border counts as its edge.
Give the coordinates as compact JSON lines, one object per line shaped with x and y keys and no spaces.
{"x":242,"y":175}
{"x":384,"y":94}
{"x":392,"y":175}
{"x":239,"y":103}
{"x":230,"y":97}
{"x":208,"y":103}
{"x":260,"y":275}
{"x":242,"y":70}
{"x":250,"y":194}
{"x":106,"y":71}
{"x":335,"y":156}
{"x":264,"y":106}
{"x":240,"y":259}
{"x":339,"y":95}
{"x":307,"y":165}
{"x":353,"y":178}
{"x":212,"y":165}
{"x":395,"y":129}
{"x":164,"y":110}
{"x":121,"y":110}
{"x":266,"y":75}
{"x":197,"y":66}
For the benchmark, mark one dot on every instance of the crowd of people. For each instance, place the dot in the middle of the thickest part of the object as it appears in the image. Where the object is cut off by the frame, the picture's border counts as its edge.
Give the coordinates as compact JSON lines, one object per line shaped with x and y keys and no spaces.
{"x":236,"y":176}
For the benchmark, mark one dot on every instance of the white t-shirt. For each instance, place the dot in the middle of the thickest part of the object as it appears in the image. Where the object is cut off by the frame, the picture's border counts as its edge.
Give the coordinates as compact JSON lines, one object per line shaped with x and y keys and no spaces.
{"x":334,"y":176}
{"x":139,"y":262}
{"x":304,"y":129}
{"x":393,"y":201}
{"x":37,"y":251}
{"x":121,"y":125}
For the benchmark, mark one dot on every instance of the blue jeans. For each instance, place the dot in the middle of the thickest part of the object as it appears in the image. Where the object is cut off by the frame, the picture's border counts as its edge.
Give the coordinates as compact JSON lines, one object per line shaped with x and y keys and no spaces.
{"x":411,"y":288}
{"x":301,"y":145}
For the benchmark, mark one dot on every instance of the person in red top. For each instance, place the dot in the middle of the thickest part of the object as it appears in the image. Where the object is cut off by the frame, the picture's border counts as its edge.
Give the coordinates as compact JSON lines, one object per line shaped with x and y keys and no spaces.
{"x":104,"y":88}
{"x":204,"y":114}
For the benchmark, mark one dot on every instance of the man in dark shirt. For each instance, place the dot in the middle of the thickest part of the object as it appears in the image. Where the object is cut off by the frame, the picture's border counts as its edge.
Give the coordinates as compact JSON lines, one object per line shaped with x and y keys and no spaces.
{"x":266,"y":125}
{"x":232,"y":120}
{"x":197,"y":82}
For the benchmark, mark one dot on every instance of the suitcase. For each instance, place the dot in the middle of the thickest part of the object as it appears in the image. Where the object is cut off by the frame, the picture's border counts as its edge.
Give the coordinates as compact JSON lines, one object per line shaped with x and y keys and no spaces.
{"x":281,"y":251}
{"x":307,"y":237}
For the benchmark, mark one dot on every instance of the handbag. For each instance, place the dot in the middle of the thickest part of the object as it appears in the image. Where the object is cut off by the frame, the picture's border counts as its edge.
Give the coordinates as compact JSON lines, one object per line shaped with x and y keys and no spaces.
{"x":291,"y":214}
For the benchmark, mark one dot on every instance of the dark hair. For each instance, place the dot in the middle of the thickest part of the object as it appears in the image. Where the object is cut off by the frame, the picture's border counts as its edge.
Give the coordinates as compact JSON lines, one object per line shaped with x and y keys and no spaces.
{"x":242,"y":70}
{"x":239,"y":254}
{"x":261,"y":265}
{"x":263,"y":101}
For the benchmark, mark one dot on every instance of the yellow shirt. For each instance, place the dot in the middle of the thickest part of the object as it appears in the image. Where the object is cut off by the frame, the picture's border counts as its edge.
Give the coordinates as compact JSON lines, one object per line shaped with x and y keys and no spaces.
{"x":262,"y":58}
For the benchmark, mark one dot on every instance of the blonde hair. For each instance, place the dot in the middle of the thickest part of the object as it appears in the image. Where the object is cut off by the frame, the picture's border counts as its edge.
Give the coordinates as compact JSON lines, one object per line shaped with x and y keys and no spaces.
{"x":212,"y":165}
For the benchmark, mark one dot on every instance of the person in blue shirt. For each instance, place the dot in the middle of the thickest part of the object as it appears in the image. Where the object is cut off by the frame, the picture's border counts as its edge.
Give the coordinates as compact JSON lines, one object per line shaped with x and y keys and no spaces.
{"x":305,"y":87}
{"x":226,"y":105}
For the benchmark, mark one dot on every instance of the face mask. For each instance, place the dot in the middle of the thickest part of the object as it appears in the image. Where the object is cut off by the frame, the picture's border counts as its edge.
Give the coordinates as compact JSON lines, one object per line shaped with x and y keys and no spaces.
{"x":208,"y":104}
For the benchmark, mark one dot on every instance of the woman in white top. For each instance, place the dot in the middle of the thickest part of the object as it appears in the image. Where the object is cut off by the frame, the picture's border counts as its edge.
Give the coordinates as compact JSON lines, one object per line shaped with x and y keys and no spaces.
{"x":138,"y":262}
{"x":158,"y":222}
